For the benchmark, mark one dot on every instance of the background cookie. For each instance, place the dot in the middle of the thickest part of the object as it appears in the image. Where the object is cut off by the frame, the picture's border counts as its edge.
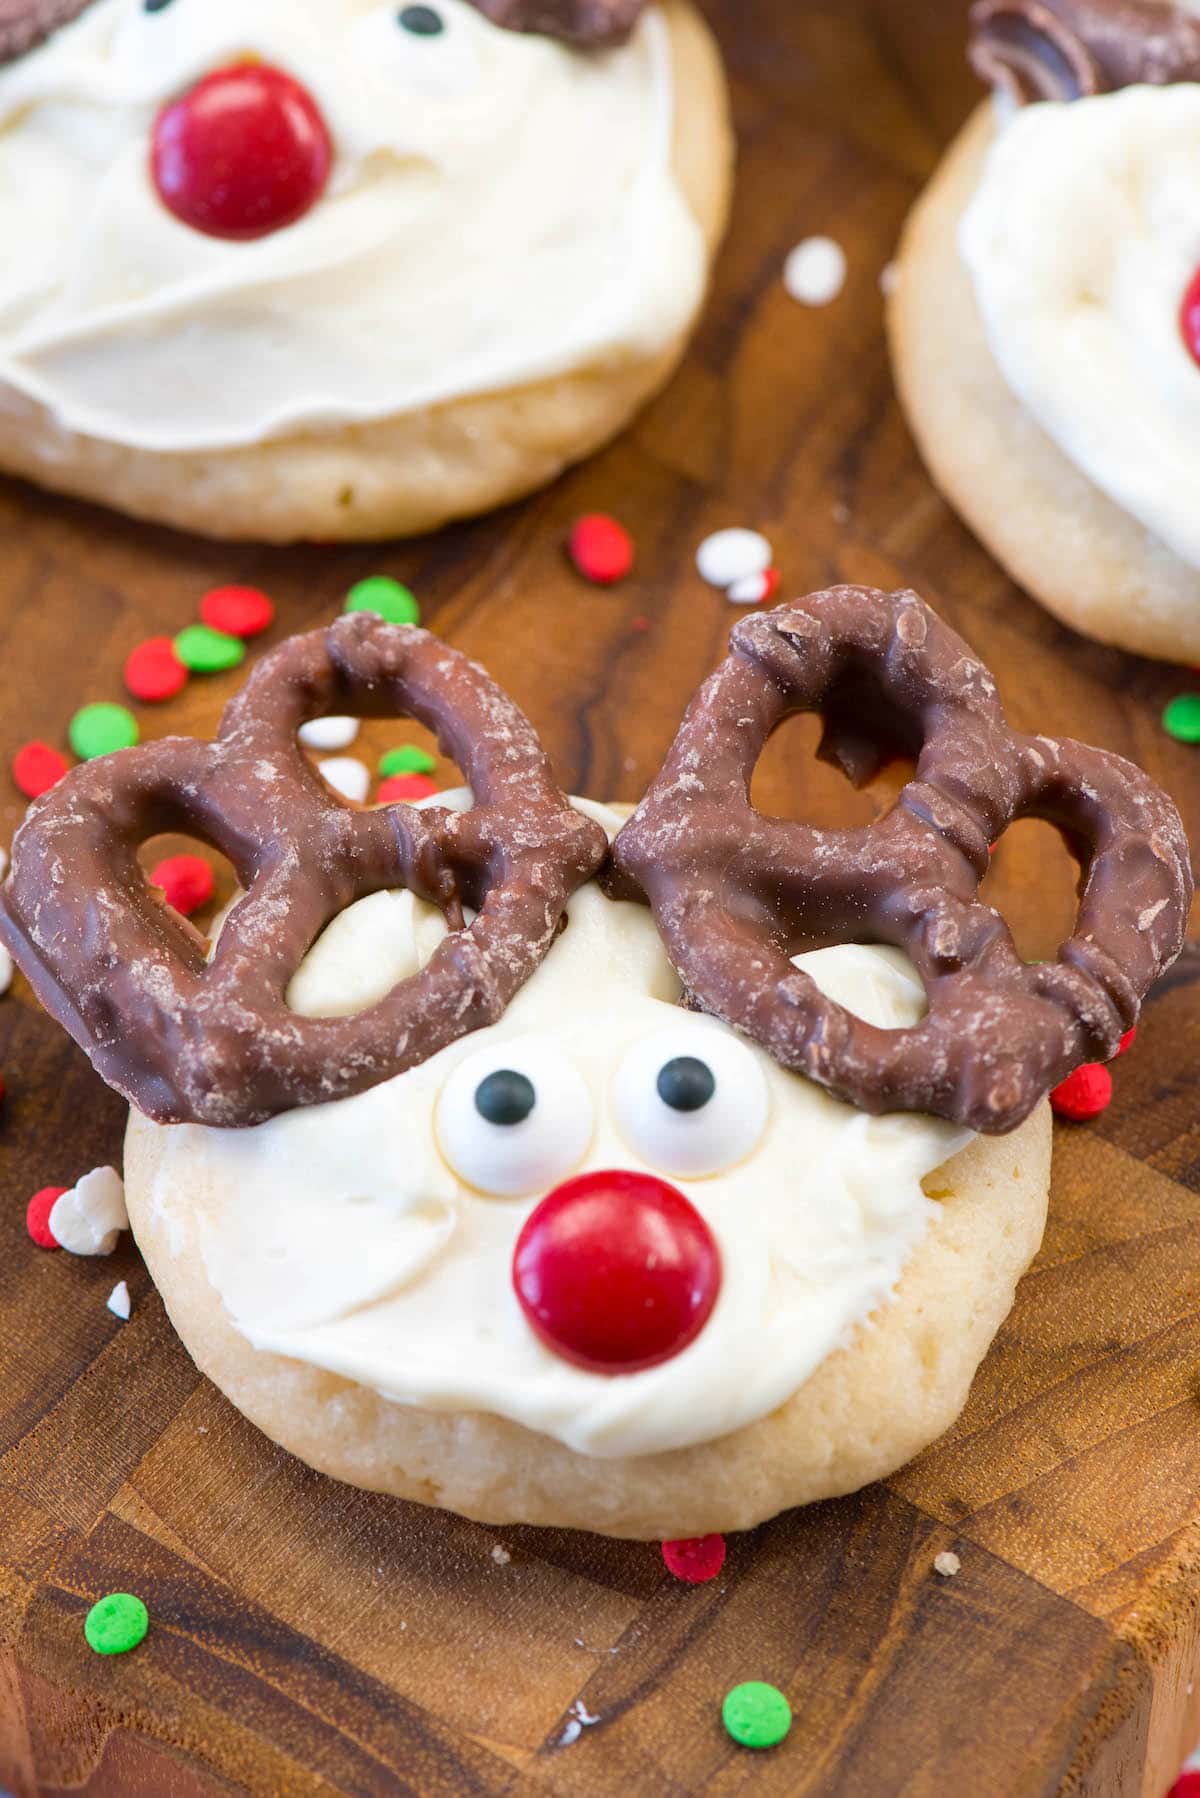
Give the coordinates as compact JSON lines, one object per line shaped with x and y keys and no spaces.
{"x":1086,"y":559}
{"x":407,"y":473}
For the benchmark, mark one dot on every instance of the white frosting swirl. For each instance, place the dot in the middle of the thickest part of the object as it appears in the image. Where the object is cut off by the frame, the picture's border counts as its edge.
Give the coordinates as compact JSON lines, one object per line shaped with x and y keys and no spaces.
{"x":502,"y":209}
{"x":340,"y":1235}
{"x":1081,"y":241}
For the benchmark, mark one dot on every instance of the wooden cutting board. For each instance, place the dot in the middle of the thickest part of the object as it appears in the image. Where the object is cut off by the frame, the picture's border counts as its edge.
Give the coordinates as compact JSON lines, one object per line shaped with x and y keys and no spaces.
{"x":309,"y":1639}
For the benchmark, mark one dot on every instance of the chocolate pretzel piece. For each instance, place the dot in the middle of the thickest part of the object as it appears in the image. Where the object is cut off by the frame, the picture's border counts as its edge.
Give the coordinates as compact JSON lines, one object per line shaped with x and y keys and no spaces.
{"x":1073,"y":49}
{"x":736,"y":894}
{"x":26,"y":23}
{"x":189,"y":1040}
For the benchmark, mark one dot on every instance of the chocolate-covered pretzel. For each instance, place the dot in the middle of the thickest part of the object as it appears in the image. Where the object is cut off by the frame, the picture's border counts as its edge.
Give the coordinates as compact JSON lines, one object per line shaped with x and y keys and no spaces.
{"x":26,"y":23}
{"x":186,"y":1039}
{"x":736,"y":894}
{"x":1072,"y":49}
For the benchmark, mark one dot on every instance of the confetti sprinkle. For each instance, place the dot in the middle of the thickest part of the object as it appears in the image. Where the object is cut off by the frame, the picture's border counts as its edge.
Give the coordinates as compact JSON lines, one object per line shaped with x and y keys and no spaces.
{"x":1084,"y":1094}
{"x":119,"y":1302}
{"x":755,"y":589}
{"x":601,"y":549}
{"x":947,"y":1564}
{"x":329,"y":733}
{"x":36,"y":768}
{"x":757,"y":1715}
{"x":1127,"y":1041}
{"x":237,"y":611}
{"x":116,"y":1624}
{"x":695,"y":1559}
{"x":153,"y":672}
{"x":206,"y":651}
{"x":380,"y":593}
{"x":6,"y":969}
{"x":347,"y":776}
{"x":101,"y":729}
{"x":37,"y":1216}
{"x":734,"y":555}
{"x":407,"y":759}
{"x":815,"y":272}
{"x":187,"y":882}
{"x":407,"y":787}
{"x":89,"y":1218}
{"x":1181,"y":719}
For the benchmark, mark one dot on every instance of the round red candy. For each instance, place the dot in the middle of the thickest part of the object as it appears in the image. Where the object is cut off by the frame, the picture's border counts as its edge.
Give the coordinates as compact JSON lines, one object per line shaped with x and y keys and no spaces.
{"x":238,"y":611}
{"x":1127,"y":1041}
{"x":1084,"y":1094}
{"x":601,"y":549}
{"x":153,"y":672}
{"x":410,"y":787}
{"x":187,"y":882}
{"x":37,"y":1216}
{"x":243,"y":153}
{"x":616,"y":1271}
{"x":36,"y":768}
{"x":1189,"y":316}
{"x":1187,"y":1785}
{"x":696,"y":1559}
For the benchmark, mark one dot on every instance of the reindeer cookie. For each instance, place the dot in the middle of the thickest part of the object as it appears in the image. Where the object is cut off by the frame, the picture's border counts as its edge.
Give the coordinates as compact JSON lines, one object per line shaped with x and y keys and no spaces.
{"x":1046,"y":323}
{"x":348,"y":268}
{"x":642,"y":1176}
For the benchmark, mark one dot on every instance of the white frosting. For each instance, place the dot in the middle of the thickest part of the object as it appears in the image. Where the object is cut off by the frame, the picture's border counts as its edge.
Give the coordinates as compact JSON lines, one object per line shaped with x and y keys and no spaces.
{"x":341,"y":1235}
{"x":502,"y":209}
{"x":1081,"y":241}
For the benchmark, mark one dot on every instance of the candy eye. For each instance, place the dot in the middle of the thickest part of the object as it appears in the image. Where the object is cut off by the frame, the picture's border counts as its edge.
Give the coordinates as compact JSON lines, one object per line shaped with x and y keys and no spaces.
{"x":691,"y":1100}
{"x":421,"y":21}
{"x":515,"y":1119}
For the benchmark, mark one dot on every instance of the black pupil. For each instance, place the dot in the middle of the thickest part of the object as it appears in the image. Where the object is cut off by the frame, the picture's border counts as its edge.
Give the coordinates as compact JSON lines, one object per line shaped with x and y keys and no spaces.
{"x":422,"y":21}
{"x":505,"y":1097}
{"x":155,"y":5}
{"x":686,"y":1084}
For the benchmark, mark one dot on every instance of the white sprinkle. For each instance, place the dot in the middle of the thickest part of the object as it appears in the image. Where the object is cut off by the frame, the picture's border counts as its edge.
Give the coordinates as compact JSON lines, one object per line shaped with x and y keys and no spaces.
{"x":947,"y":1564}
{"x":571,"y":1733}
{"x":6,"y":969}
{"x":119,"y":1302}
{"x":329,"y":733}
{"x":347,"y":776}
{"x":750,"y":591}
{"x":89,"y":1219}
{"x":501,"y":1555}
{"x":734,"y":555}
{"x":815,"y":272}
{"x":889,"y":279}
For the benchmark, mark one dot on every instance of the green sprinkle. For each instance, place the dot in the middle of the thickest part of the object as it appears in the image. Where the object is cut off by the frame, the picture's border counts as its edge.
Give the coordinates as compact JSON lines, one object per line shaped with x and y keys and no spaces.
{"x":99,"y":729}
{"x":1181,"y":719}
{"x":757,"y":1715}
{"x":117,"y":1624}
{"x":408,"y":759}
{"x":206,"y":651}
{"x":380,"y":593}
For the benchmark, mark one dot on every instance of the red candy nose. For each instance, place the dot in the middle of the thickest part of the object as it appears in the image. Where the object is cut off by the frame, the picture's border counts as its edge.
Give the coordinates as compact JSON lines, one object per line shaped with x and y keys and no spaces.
{"x":244,"y":153}
{"x":1189,"y":316}
{"x":616,"y":1271}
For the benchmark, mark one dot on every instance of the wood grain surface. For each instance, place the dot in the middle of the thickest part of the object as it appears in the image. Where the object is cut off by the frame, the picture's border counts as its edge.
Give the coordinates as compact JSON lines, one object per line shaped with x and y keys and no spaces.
{"x":309,"y":1639}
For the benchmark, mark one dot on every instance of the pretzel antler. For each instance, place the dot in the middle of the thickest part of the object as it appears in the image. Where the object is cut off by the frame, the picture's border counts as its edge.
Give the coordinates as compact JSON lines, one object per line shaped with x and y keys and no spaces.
{"x":589,"y":23}
{"x":736,"y":894}
{"x":26,"y":23}
{"x":216,"y":1043}
{"x":1072,"y":49}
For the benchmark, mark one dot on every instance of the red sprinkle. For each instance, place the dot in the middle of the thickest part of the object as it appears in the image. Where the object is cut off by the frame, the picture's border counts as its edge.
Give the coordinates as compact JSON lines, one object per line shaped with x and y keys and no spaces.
{"x":695,"y":1559}
{"x":1127,"y":1041}
{"x":601,"y":549}
{"x":37,"y":1215}
{"x":406,"y":786}
{"x":187,"y":882}
{"x":36,"y":768}
{"x":1084,"y":1094}
{"x":238,"y":611}
{"x":771,"y":580}
{"x":154,"y":672}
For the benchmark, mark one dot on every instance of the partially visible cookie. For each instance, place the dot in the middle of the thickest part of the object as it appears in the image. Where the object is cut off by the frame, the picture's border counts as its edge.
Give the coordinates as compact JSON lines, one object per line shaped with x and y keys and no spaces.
{"x":1088,"y":560}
